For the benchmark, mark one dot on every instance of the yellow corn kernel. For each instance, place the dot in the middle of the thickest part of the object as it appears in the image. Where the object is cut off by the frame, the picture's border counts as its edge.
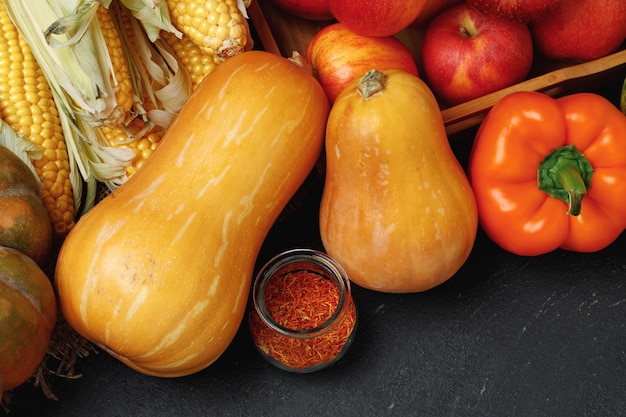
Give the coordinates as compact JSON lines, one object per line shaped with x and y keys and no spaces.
{"x":26,"y":104}
{"x":143,"y":148}
{"x":216,"y":26}
{"x":143,"y":144}
{"x":120,"y":78}
{"x":197,"y":62}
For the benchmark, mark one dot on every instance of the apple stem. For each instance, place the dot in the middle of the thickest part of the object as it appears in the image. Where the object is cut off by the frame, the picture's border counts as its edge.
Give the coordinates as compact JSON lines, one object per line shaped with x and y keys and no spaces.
{"x":371,"y":83}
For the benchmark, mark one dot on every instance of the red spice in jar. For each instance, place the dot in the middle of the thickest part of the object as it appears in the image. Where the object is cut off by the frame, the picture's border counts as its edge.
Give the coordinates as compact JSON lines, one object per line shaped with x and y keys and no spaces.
{"x":309,"y":330}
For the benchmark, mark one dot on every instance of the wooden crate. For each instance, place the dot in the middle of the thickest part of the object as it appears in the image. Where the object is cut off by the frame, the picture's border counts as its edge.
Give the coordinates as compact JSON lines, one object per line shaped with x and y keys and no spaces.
{"x":282,"y":33}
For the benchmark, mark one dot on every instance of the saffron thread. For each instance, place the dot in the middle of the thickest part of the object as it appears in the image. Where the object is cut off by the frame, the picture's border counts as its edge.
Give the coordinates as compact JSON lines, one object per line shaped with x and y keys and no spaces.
{"x":298,"y":301}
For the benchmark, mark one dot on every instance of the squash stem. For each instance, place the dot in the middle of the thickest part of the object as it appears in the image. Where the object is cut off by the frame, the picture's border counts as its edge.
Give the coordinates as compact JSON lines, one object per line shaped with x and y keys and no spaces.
{"x":566,"y":174}
{"x":371,"y":83}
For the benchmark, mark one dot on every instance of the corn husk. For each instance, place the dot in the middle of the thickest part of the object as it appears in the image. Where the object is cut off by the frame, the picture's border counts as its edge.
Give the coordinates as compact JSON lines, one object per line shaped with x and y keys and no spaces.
{"x":153,"y":15}
{"x":66,"y":39}
{"x":157,"y":75}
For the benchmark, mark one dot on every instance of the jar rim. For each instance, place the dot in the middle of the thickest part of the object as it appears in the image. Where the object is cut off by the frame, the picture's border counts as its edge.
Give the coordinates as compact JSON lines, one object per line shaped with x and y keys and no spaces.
{"x":296,"y":257}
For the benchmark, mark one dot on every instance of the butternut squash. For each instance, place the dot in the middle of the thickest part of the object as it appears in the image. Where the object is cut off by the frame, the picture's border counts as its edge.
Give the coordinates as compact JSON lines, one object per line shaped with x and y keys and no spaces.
{"x":158,"y":273}
{"x":397,"y":209}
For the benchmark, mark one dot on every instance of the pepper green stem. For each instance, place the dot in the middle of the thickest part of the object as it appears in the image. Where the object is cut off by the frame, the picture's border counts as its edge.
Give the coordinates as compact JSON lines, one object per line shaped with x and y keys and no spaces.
{"x":573,"y":183}
{"x":566,"y":174}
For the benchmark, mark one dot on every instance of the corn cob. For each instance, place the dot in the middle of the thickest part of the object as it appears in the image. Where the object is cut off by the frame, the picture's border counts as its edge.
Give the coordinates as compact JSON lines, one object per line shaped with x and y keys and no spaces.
{"x":120,"y":78}
{"x":71,"y":51}
{"x":27,"y":105}
{"x":218,"y":27}
{"x":73,"y":55}
{"x":139,"y":136}
{"x":195,"y":60}
{"x":154,"y":76}
{"x":117,"y":135}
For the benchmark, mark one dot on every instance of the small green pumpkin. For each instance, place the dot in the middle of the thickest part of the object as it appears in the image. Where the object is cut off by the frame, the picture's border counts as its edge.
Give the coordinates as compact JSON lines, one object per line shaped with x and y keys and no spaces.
{"x":24,"y":221}
{"x":28,"y":312}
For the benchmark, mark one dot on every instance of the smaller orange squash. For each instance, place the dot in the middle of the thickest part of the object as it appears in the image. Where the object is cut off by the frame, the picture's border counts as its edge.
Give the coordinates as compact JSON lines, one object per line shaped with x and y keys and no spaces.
{"x":397,"y":209}
{"x":24,"y":221}
{"x":28,"y":312}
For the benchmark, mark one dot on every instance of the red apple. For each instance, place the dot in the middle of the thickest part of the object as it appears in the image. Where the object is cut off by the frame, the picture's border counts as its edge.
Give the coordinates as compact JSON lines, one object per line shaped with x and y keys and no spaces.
{"x":376,"y":17}
{"x":338,"y":55}
{"x":307,"y":9}
{"x":431,"y":9}
{"x":581,"y":29}
{"x":467,"y":54}
{"x":523,"y":10}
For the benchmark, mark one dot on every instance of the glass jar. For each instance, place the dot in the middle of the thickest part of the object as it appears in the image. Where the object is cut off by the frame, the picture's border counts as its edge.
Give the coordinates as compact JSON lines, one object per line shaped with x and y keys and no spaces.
{"x":304,"y":317}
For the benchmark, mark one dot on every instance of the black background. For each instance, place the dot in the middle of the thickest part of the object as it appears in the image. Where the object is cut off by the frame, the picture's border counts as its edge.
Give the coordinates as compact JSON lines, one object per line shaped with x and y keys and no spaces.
{"x":506,"y":336}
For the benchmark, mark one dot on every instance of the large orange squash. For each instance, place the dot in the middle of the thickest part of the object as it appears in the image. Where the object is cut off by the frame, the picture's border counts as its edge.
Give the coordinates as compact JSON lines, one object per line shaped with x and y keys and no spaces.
{"x":397,"y":209}
{"x":28,"y":312}
{"x":158,"y":273}
{"x":24,"y":221}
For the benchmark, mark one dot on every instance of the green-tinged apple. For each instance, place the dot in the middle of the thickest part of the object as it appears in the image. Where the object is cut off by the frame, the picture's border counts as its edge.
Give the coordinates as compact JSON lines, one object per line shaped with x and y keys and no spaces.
{"x":308,"y":9}
{"x":523,"y":10}
{"x":376,"y":17}
{"x":338,"y":55}
{"x":467,"y":54}
{"x":581,"y":30}
{"x":431,"y":9}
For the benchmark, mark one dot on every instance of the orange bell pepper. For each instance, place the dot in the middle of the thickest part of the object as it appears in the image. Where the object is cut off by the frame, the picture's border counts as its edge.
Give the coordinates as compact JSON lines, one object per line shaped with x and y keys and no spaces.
{"x":551,"y":173}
